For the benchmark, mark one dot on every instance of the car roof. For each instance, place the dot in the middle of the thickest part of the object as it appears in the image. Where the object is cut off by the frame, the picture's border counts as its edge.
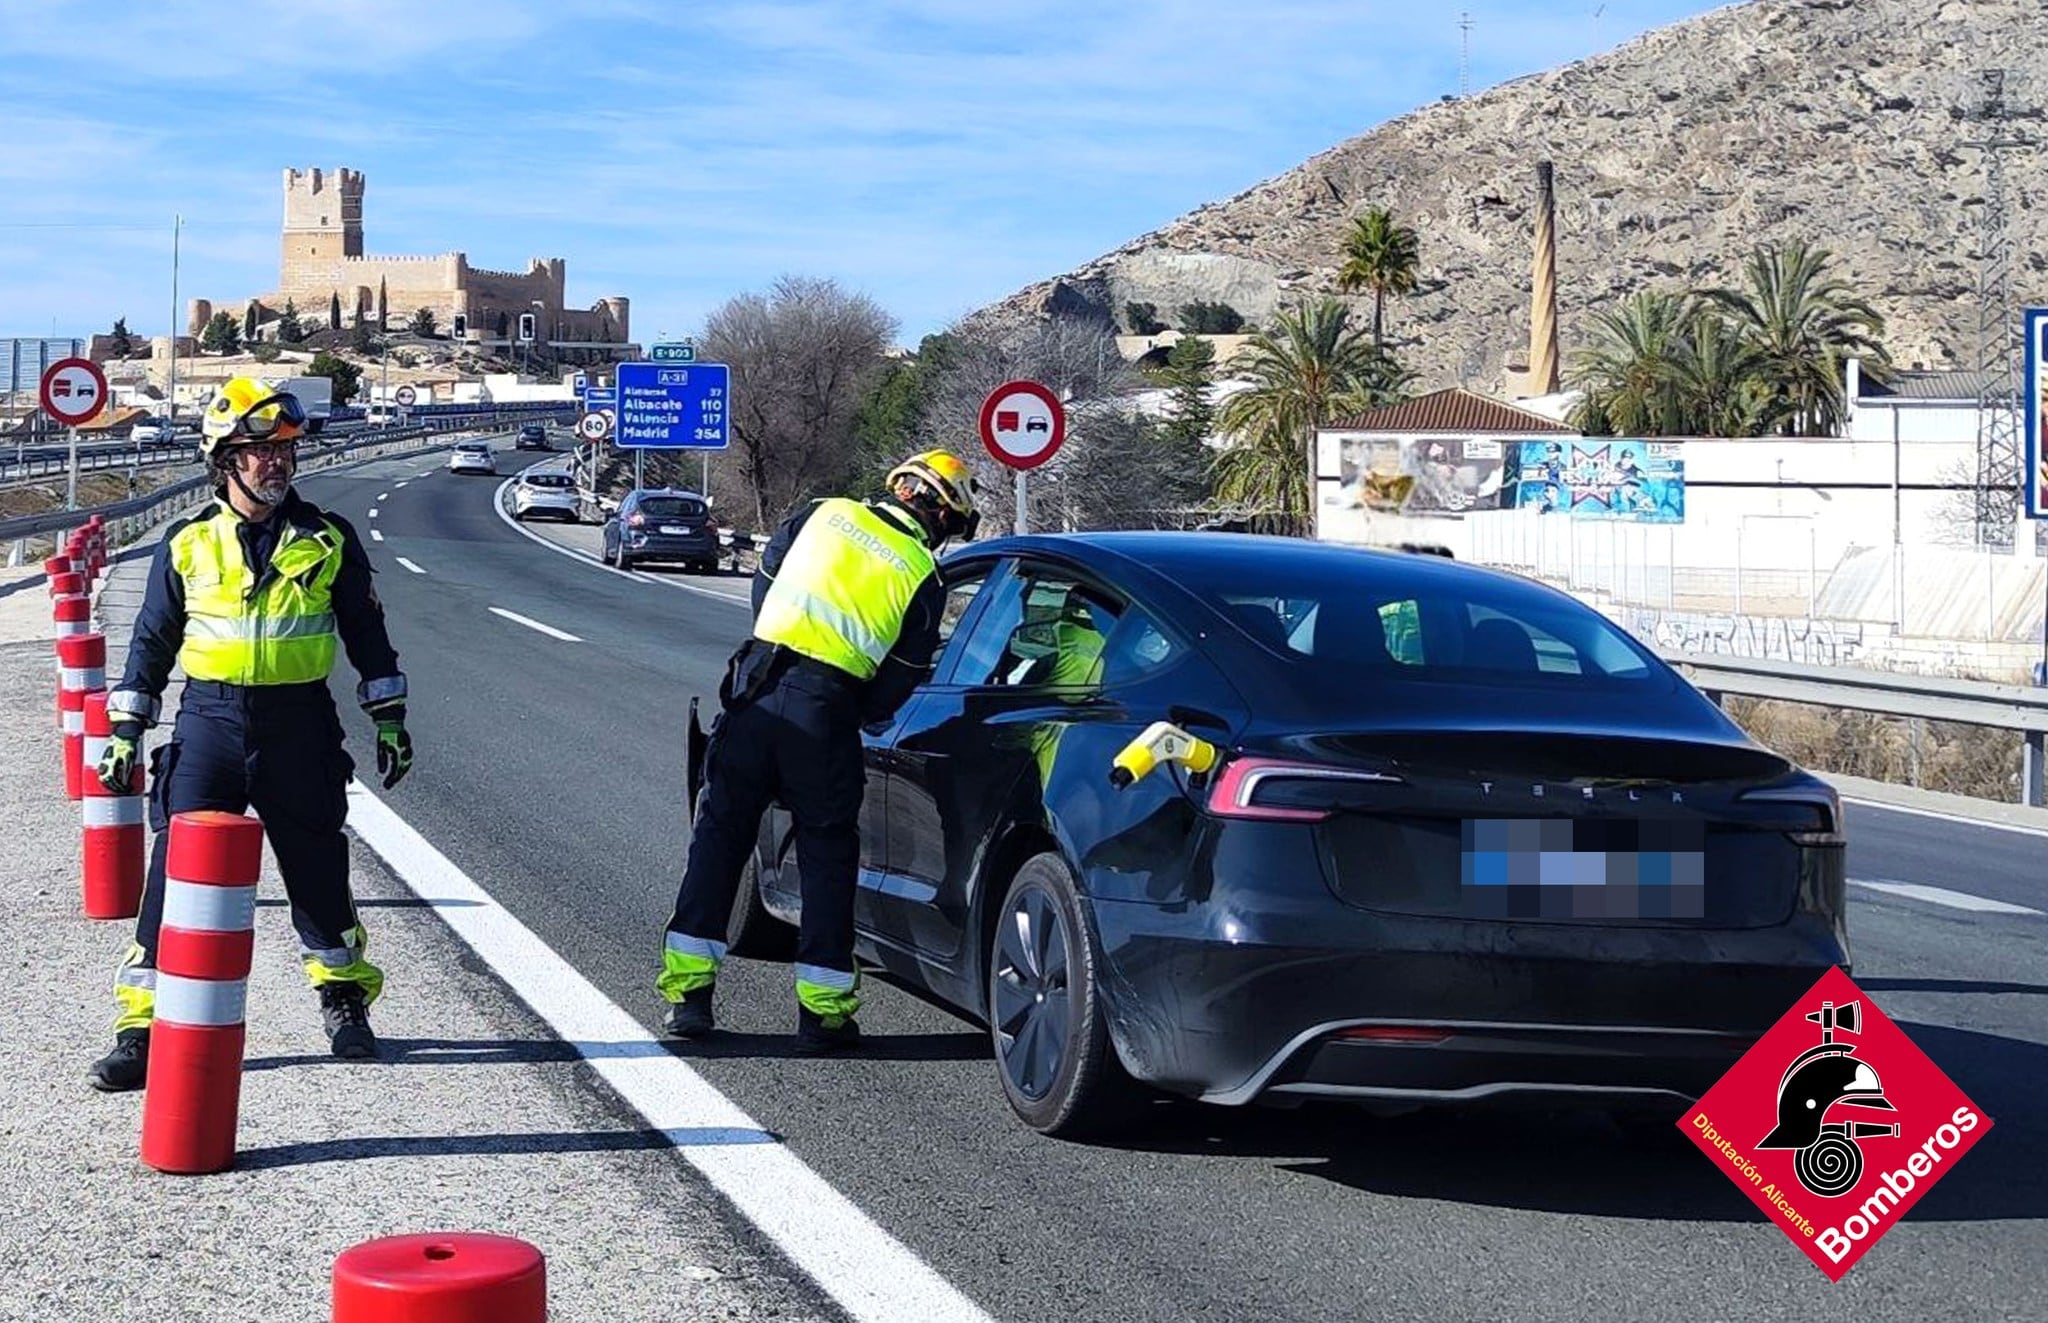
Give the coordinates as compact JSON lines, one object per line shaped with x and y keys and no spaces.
{"x":1178,"y":556}
{"x":663,"y":491}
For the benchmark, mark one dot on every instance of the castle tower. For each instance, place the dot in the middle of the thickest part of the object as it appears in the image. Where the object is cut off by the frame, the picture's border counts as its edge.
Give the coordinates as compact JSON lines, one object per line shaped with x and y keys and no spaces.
{"x":323,"y":223}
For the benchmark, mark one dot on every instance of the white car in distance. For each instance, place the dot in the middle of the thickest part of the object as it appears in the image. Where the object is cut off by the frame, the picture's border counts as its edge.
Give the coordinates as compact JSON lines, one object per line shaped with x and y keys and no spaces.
{"x":545,"y":494}
{"x":473,"y":457}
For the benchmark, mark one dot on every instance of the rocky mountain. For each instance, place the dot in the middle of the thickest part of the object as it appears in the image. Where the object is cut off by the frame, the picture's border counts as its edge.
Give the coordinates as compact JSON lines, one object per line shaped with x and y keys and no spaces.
{"x":1842,"y":122}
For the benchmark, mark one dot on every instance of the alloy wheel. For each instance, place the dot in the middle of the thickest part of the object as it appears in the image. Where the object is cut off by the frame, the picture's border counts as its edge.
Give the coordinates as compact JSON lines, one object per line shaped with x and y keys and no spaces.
{"x":1033,"y":1005}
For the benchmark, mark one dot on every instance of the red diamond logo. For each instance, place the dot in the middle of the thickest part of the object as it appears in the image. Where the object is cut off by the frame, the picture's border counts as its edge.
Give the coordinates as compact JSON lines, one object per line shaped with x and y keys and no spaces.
{"x":1835,"y":1124}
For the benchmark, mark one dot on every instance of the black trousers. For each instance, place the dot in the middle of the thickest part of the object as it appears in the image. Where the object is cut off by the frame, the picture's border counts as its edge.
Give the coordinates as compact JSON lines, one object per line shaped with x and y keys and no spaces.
{"x":795,"y":740}
{"x":277,"y":749}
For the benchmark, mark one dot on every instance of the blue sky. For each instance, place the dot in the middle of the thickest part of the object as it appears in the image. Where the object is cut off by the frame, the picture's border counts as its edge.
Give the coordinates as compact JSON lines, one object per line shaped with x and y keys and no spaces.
{"x":933,"y":154}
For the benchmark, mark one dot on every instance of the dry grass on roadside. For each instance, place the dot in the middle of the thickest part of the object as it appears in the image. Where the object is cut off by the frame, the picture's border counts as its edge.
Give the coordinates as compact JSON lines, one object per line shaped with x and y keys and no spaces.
{"x":1932,"y":755}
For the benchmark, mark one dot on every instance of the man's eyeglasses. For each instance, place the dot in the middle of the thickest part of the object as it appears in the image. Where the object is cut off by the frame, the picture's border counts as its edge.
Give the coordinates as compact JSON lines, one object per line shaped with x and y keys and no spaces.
{"x":263,"y":450}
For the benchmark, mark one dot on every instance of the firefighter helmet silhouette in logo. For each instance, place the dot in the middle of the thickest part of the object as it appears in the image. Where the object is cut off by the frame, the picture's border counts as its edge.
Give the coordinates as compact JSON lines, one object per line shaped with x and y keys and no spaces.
{"x":1828,"y":1162}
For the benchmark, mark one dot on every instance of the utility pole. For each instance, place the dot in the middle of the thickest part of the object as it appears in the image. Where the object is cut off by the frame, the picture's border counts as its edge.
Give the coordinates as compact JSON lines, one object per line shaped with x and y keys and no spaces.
{"x":171,"y":383}
{"x":1998,"y":332}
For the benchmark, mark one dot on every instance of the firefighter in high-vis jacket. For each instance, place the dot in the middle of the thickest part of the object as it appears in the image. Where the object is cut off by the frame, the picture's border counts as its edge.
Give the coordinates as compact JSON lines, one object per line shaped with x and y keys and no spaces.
{"x":251,"y":597}
{"x":846,"y":619}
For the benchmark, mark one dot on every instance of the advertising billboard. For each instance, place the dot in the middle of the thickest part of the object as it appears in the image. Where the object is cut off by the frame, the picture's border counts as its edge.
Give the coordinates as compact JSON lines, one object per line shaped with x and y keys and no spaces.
{"x":1420,"y":475}
{"x":2034,"y":387}
{"x":1631,"y":480}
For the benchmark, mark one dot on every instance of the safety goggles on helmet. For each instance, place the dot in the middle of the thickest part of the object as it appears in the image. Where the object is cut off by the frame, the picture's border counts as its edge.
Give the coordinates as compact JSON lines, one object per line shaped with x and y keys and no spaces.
{"x":268,"y":419}
{"x":951,"y":486}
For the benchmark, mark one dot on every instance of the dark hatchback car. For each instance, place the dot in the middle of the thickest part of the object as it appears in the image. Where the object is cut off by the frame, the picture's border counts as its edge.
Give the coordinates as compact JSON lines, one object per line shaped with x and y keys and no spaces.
{"x":1466,"y":839}
{"x":532,"y":436}
{"x":662,"y":525}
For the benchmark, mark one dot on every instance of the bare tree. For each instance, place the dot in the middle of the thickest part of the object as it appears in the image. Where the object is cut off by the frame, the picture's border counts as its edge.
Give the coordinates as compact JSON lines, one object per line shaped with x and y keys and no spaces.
{"x":1112,"y":471}
{"x":802,"y":357}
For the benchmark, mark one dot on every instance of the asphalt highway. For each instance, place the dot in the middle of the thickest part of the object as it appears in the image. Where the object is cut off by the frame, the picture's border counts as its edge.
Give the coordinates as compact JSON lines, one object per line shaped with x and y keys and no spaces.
{"x":550,"y":696}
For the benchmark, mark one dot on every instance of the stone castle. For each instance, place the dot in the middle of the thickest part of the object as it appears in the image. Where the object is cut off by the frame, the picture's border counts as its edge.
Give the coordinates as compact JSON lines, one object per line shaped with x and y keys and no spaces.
{"x":323,"y":258}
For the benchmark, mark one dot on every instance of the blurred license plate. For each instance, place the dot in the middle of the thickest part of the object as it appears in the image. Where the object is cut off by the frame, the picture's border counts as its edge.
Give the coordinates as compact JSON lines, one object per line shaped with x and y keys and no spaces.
{"x":674,"y":530}
{"x":1562,"y":868}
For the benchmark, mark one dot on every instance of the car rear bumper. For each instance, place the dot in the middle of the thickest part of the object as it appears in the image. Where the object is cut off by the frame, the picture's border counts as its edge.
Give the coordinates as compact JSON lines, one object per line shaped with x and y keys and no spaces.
{"x":567,"y":509}
{"x":660,"y":546}
{"x":1229,"y":1002}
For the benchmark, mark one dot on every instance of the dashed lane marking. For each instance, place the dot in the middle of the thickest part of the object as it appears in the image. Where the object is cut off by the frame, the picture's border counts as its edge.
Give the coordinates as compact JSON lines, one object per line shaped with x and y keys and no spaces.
{"x":1955,"y":900}
{"x":376,"y":535}
{"x":874,"y":1276}
{"x":533,"y":624}
{"x":409,"y":565}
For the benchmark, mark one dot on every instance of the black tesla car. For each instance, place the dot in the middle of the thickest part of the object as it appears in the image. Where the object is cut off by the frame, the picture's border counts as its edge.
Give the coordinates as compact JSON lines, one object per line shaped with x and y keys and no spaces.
{"x":1466,"y":839}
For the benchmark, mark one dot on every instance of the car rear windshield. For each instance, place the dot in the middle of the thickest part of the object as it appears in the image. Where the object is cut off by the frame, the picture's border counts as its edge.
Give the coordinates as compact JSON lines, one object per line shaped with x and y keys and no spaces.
{"x":671,"y":507}
{"x":1334,"y":619}
{"x":548,"y":480}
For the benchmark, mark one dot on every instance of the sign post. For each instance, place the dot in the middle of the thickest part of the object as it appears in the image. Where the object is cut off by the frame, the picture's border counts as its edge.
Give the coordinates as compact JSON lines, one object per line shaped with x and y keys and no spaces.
{"x":1022,"y":426}
{"x":74,"y":390}
{"x":673,"y":405}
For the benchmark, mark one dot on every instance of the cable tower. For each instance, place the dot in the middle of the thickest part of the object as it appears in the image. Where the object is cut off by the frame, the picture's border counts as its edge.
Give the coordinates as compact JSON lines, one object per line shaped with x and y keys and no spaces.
{"x":1464,"y":54}
{"x":1998,"y":330}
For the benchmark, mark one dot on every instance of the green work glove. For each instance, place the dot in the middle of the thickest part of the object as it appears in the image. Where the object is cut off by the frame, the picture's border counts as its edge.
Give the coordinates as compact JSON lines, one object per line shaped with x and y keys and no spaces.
{"x":394,"y":746}
{"x":117,"y":764}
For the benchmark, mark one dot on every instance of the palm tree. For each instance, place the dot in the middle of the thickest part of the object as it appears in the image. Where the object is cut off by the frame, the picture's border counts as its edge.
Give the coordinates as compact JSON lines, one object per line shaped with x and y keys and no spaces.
{"x":1628,"y":371}
{"x":1381,"y":256}
{"x":1313,"y":366}
{"x":1803,"y":323}
{"x":1713,"y":371}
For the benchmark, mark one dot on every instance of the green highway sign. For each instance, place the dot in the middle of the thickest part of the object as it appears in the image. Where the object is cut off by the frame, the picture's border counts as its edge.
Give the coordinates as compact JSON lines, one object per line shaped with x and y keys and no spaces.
{"x":685,"y":352}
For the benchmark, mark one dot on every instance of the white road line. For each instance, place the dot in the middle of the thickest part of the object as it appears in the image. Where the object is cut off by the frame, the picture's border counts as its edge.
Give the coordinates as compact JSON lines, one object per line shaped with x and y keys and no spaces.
{"x":585,"y":558}
{"x":383,"y":496}
{"x":401,"y":482}
{"x":548,"y":630}
{"x":373,"y":512}
{"x":1955,"y":900}
{"x":2017,"y":828}
{"x":409,"y":565}
{"x":376,"y":535}
{"x":874,"y":1276}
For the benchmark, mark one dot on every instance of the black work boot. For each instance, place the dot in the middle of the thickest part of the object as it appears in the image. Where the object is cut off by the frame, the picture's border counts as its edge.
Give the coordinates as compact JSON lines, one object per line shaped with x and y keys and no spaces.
{"x":126,"y":1067}
{"x":691,"y":1017}
{"x":814,"y":1039}
{"x":345,"y":1014}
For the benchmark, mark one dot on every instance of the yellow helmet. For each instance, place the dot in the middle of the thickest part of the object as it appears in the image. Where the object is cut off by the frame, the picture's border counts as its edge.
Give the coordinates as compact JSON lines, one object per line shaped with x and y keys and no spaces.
{"x":250,"y":409}
{"x":943,"y":474}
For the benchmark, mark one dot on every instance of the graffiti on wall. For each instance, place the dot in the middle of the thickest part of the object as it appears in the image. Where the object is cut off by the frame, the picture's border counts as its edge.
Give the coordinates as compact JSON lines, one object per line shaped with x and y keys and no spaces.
{"x":1764,"y":638}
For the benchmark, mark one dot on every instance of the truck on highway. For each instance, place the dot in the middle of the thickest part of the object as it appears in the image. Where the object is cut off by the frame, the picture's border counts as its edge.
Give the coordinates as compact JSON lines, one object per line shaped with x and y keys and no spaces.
{"x":316,"y":397}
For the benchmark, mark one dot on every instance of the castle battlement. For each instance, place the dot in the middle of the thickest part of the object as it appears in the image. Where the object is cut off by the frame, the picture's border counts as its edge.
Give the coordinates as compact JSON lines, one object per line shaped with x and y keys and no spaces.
{"x":409,"y":259}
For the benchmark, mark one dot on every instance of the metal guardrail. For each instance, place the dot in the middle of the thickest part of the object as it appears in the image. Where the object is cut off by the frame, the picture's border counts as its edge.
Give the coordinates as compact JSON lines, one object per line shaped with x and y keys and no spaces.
{"x":98,"y":457}
{"x":127,"y":518}
{"x":1932,"y":698}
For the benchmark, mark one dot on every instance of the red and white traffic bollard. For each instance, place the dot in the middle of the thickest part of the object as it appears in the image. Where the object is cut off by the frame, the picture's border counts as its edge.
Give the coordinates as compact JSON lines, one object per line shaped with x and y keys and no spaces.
{"x":71,"y":582}
{"x":454,"y":1277}
{"x":114,"y":838}
{"x":194,"y":1089}
{"x":81,"y":668}
{"x":72,"y":615}
{"x":54,"y":566}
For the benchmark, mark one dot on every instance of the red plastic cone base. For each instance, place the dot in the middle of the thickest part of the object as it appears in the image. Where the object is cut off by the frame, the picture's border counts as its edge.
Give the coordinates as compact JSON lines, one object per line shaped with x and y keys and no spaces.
{"x":193,"y":1099}
{"x":455,"y":1277}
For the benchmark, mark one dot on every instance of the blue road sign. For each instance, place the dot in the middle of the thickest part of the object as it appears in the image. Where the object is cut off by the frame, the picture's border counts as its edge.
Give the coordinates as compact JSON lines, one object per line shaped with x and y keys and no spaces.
{"x":685,"y":352}
{"x":600,"y":397}
{"x":668,"y":406}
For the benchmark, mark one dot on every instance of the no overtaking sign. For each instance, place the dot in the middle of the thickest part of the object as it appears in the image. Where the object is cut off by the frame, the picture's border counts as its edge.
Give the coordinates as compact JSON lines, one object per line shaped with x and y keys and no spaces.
{"x":74,"y":390}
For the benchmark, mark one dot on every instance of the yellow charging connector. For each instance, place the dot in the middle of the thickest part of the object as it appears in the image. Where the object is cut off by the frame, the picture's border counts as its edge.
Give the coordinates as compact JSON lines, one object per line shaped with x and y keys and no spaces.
{"x":1162,"y":742}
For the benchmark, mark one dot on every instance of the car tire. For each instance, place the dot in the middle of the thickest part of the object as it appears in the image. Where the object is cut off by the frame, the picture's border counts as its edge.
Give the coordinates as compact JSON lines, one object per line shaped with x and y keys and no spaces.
{"x":750,"y":930}
{"x":1047,"y":1024}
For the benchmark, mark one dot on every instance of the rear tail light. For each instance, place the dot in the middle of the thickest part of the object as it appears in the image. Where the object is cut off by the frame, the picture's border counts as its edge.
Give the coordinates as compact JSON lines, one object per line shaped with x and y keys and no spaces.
{"x":1393,"y":1033}
{"x":1826,"y":804}
{"x":1236,"y":793}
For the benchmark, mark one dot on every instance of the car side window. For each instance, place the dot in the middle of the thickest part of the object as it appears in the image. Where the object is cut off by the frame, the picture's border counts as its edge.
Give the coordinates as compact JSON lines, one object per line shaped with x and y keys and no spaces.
{"x":1040,"y":629}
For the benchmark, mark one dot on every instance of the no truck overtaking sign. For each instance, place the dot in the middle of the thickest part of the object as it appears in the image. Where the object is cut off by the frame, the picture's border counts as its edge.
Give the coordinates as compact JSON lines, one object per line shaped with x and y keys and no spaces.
{"x":74,"y":390}
{"x":1022,"y":424}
